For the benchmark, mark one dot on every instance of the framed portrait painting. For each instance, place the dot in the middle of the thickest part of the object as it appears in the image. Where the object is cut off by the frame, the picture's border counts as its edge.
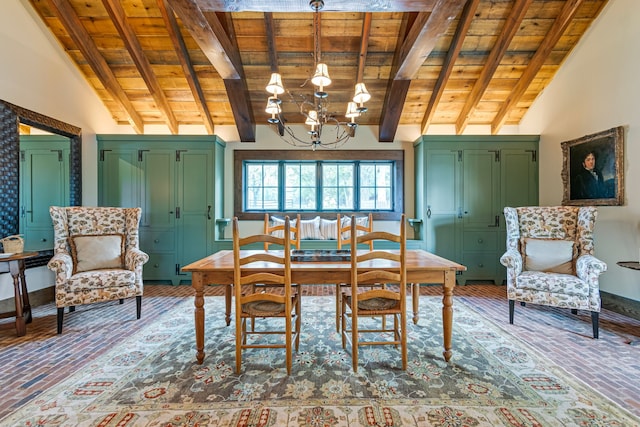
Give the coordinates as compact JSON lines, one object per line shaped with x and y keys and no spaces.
{"x":593,"y":170}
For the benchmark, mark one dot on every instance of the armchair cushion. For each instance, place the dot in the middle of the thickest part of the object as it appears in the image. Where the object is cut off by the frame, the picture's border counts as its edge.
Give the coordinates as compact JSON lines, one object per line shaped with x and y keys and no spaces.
{"x":549,"y":255}
{"x":96,"y":252}
{"x":552,"y":283}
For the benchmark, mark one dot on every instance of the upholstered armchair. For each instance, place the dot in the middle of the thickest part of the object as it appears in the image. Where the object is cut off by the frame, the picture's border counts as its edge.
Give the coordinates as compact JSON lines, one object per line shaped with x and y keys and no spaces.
{"x":550,"y":260}
{"x":96,"y":256}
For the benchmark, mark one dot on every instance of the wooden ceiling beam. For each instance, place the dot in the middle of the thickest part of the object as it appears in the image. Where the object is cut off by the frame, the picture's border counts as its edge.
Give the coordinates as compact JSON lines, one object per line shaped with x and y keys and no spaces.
{"x":187,"y":67}
{"x":115,"y":11}
{"x":511,"y":26}
{"x":553,"y":35}
{"x":96,"y":61}
{"x":364,"y":46}
{"x":224,"y":55}
{"x":466,"y":18}
{"x":299,"y":6}
{"x":413,"y":51}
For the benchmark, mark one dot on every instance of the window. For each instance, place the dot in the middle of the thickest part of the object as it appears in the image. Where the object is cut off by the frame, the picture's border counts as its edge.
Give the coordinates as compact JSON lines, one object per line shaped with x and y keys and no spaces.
{"x":345,"y":181}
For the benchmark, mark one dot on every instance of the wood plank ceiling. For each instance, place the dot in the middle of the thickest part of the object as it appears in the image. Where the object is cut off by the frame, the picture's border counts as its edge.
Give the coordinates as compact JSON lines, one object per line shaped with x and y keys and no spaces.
{"x":429,"y":62}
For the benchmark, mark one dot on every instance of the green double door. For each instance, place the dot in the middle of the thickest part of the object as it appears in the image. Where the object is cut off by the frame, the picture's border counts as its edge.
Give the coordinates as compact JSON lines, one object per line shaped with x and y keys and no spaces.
{"x":465,"y":182}
{"x":175,"y":189}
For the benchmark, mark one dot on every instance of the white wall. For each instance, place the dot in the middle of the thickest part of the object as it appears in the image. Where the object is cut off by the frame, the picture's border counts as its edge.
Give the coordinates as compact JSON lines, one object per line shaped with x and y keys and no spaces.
{"x":598,"y":88}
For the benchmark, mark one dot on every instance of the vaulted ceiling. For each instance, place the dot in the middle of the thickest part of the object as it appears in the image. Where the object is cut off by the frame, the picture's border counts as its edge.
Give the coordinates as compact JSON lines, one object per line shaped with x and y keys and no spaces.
{"x":425,"y":62}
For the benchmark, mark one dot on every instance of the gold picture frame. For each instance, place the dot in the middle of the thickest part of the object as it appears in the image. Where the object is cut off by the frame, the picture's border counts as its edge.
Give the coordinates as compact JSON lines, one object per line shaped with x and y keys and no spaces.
{"x":593,"y":169}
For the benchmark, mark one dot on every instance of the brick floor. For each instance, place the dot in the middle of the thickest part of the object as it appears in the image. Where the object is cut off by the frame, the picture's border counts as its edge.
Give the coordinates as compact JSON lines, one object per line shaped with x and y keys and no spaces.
{"x":40,"y":359}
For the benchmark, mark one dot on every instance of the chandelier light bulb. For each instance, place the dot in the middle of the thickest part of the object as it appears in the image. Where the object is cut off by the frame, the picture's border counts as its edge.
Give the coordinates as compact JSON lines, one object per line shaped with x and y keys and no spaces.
{"x":321,"y":79}
{"x":312,"y":119}
{"x":275,"y":84}
{"x":362,"y":95}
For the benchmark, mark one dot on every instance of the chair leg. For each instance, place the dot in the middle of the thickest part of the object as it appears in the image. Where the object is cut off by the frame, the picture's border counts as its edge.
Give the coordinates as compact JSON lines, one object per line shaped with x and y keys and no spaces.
{"x":574,"y":311}
{"x":60,"y":316}
{"x":121,"y":300}
{"x":138,"y":306}
{"x":72,"y":308}
{"x":594,"y":323}
{"x":338,"y":307}
{"x":512,"y":305}
{"x":523,"y":304}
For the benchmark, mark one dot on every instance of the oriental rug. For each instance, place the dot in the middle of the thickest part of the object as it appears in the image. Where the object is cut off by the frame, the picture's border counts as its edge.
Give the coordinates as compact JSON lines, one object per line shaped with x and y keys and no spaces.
{"x":151,"y":379}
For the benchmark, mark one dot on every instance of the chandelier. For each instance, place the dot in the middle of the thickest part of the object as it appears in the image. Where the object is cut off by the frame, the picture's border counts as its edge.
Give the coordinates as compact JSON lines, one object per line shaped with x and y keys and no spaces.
{"x":315,"y":111}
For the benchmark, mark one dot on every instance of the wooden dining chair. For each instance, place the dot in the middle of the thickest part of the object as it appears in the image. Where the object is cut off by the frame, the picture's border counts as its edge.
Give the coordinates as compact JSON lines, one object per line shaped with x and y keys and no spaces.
{"x":252,"y":304}
{"x":379,"y":301}
{"x":363,"y":225}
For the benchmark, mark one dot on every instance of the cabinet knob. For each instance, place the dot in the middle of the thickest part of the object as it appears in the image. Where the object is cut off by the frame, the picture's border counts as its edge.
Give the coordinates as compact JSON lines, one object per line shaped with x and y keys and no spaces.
{"x":156,"y":241}
{"x":156,"y":265}
{"x":480,"y":265}
{"x":480,"y":240}
{"x":43,"y":240}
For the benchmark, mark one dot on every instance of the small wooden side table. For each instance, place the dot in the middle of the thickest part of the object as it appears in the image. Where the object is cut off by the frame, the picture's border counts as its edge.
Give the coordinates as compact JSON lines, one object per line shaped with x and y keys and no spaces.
{"x":634,"y":265}
{"x":23,"y":308}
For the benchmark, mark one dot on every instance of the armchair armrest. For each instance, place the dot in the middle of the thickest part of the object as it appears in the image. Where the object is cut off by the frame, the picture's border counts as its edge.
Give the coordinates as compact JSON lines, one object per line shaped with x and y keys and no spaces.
{"x":588,"y":268}
{"x":512,"y":259}
{"x":62,"y":265}
{"x":134,"y":258}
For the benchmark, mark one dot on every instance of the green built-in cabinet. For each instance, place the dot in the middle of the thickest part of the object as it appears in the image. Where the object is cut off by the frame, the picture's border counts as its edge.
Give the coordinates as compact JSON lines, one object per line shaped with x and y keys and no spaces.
{"x":462,"y":185}
{"x":178,"y":182}
{"x":44,"y":182}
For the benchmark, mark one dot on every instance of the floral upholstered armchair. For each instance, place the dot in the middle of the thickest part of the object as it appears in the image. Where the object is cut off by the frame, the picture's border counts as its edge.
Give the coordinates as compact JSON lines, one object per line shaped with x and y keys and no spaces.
{"x":550,"y":260}
{"x":96,"y":256}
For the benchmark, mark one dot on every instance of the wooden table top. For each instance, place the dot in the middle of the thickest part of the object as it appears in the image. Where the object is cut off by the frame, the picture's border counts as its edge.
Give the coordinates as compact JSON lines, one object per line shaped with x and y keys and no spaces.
{"x":17,"y":256}
{"x":417,"y":259}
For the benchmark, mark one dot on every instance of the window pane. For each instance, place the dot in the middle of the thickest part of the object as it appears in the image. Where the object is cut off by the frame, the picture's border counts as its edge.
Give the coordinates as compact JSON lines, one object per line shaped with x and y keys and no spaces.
{"x":329,"y":198}
{"x":346,"y":199}
{"x":367,"y":175}
{"x":300,"y":183}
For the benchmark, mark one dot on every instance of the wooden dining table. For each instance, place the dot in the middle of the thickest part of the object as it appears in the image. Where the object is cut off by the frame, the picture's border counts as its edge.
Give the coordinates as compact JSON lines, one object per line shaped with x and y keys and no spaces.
{"x":422,"y":268}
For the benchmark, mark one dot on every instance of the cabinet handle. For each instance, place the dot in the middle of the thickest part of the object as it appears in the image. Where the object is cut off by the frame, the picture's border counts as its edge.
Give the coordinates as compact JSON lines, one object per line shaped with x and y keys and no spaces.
{"x":496,"y":223}
{"x":208,"y":211}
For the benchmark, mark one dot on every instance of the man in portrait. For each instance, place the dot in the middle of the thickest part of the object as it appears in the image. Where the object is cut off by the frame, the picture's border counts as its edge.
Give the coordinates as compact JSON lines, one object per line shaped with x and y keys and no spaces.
{"x":587,"y":181}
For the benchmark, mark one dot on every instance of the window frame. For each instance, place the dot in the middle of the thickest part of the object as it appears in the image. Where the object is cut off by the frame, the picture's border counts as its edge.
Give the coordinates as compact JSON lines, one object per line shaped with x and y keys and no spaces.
{"x":240,"y":156}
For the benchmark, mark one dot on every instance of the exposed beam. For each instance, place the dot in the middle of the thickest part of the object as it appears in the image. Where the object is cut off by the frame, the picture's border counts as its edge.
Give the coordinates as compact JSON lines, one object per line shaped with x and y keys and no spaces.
{"x":555,"y":32}
{"x":414,"y":50}
{"x":222,"y":53}
{"x":96,"y":61}
{"x":214,"y":42}
{"x":466,"y":17}
{"x":271,"y":41}
{"x":364,"y":46}
{"x":115,"y":11}
{"x":301,"y":6}
{"x":517,"y":14}
{"x":187,"y":67}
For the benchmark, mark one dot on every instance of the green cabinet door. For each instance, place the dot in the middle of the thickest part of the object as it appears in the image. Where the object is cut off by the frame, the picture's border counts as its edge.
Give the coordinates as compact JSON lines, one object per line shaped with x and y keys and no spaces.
{"x":44,"y":182}
{"x":119,"y":177}
{"x":442,"y":202}
{"x":480,"y":188}
{"x":158,"y":188}
{"x":195,"y":203}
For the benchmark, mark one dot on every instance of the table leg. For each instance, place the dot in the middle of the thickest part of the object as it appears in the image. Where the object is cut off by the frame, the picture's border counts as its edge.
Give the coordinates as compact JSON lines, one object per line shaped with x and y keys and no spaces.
{"x":26,"y":307}
{"x":198,"y":285}
{"x":415,"y":295}
{"x":447,"y":311}
{"x":227,"y":304}
{"x":14,"y":269}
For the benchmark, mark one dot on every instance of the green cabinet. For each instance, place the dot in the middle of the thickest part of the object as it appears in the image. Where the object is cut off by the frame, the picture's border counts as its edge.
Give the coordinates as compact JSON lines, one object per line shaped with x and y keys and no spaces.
{"x":462,"y":186}
{"x":44,"y":182}
{"x":177,"y":181}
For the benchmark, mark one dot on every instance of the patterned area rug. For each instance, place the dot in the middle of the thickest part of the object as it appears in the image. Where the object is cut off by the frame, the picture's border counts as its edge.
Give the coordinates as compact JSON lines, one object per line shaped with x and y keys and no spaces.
{"x":152,"y":379}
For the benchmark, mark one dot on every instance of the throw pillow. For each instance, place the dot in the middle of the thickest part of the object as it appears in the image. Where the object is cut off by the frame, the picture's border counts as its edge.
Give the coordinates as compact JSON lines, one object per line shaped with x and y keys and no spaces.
{"x":361,"y":221}
{"x":275,"y":222}
{"x":549,"y":255}
{"x":310,"y":229}
{"x":329,"y":229}
{"x":97,"y":252}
